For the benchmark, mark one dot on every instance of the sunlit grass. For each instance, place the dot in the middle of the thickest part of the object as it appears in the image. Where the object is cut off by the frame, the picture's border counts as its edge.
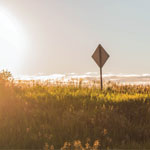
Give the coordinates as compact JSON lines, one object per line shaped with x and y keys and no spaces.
{"x":42,"y":115}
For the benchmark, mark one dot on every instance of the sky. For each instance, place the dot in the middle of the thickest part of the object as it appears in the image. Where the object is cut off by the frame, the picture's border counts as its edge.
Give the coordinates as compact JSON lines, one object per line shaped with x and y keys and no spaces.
{"x":60,"y":36}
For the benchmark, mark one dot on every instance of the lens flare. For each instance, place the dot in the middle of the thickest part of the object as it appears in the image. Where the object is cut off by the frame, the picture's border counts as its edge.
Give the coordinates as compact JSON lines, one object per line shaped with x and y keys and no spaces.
{"x":13,"y":41}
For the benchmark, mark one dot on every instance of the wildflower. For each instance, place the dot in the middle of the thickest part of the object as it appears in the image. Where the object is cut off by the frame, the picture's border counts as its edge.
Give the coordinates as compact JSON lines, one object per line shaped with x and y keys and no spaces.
{"x":96,"y":145}
{"x":105,"y":131}
{"x":52,"y":147}
{"x":87,"y":146}
{"x":66,"y":146}
{"x":78,"y":145}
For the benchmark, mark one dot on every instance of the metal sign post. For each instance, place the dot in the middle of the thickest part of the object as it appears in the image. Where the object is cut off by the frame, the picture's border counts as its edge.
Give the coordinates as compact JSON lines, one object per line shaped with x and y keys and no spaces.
{"x":100,"y":56}
{"x":101,"y":78}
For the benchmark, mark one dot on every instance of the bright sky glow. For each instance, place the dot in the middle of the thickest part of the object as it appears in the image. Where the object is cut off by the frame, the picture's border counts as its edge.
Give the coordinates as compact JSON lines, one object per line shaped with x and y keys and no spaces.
{"x":58,"y":37}
{"x":12,"y":42}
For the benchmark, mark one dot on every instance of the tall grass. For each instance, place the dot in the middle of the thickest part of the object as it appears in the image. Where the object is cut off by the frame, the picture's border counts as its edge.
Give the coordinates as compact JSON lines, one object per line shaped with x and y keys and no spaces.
{"x":39,"y":115}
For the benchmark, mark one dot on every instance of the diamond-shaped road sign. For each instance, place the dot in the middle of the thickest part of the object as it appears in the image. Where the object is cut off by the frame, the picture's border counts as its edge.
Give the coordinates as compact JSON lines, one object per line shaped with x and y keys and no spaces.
{"x":100,"y":56}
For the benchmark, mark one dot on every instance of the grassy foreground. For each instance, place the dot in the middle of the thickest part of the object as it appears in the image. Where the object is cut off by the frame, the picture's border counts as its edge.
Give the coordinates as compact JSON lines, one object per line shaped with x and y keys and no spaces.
{"x":37,"y":116}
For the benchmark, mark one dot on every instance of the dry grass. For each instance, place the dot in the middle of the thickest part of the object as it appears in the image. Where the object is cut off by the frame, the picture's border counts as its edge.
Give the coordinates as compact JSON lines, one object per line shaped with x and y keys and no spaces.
{"x":45,"y":116}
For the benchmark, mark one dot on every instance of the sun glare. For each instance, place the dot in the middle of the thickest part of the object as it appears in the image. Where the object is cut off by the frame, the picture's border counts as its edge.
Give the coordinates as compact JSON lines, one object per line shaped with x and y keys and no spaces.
{"x":12,"y":42}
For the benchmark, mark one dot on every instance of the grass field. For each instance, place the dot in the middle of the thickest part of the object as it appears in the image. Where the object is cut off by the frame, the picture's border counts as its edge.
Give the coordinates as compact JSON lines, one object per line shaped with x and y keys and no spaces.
{"x":37,"y":116}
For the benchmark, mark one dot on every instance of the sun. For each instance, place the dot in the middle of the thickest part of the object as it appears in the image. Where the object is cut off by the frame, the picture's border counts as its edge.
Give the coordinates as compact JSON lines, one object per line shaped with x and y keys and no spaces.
{"x":12,"y":42}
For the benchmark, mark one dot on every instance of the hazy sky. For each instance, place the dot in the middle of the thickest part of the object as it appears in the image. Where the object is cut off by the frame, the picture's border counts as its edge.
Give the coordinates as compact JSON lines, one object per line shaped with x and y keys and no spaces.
{"x":59,"y":36}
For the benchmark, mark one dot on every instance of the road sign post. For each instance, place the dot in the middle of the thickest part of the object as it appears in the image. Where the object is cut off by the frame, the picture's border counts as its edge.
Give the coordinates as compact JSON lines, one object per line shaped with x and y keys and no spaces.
{"x":100,"y":56}
{"x":101,"y":78}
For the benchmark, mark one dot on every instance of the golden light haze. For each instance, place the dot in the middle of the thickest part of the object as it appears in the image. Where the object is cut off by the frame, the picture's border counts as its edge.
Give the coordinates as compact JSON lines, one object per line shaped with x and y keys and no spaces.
{"x":60,"y":36}
{"x":13,"y":41}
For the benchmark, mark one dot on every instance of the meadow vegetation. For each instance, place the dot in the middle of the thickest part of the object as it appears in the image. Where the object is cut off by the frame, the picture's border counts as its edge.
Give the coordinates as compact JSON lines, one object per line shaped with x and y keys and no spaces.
{"x":46,"y":116}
